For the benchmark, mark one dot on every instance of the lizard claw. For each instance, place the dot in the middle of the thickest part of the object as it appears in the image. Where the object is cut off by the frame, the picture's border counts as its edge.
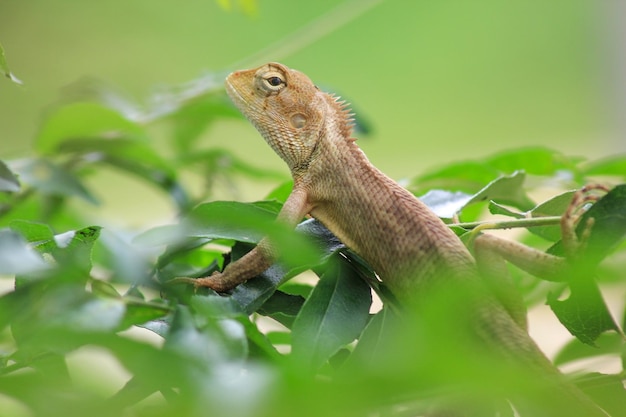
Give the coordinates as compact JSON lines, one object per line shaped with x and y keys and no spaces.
{"x":572,"y":244}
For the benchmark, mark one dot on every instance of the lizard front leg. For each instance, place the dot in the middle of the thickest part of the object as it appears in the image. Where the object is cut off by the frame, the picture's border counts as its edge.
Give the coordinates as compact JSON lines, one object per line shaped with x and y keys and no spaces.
{"x":261,"y":257}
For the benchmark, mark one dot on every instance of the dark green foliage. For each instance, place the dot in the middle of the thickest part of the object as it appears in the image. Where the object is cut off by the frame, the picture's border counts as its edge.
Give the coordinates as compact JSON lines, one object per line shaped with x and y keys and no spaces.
{"x":270,"y":347}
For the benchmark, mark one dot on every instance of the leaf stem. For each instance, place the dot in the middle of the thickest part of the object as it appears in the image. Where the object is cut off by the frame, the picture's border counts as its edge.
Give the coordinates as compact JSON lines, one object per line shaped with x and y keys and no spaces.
{"x":510,"y":224}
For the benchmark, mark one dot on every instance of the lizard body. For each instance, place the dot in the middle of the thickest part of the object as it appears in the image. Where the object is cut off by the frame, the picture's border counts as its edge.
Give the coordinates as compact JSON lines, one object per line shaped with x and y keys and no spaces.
{"x":409,"y":247}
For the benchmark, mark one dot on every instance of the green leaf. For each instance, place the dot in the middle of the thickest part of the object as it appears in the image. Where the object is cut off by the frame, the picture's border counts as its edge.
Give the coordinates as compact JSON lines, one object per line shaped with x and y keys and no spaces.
{"x":83,"y":121}
{"x":584,"y":313}
{"x":495,"y":208}
{"x":4,"y":68}
{"x":282,"y":307}
{"x":609,"y":229}
{"x":333,"y":316}
{"x":554,"y":206}
{"x":16,"y":256}
{"x":51,"y":179}
{"x":506,"y":189}
{"x":73,"y":252}
{"x":33,"y":232}
{"x":8,"y":180}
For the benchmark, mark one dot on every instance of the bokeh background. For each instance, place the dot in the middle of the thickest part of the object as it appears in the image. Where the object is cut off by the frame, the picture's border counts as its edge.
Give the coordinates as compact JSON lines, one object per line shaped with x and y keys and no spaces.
{"x":435,"y":80}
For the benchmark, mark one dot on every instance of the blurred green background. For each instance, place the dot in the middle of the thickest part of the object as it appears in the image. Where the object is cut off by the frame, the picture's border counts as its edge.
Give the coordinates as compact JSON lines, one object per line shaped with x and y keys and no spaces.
{"x":436,"y":80}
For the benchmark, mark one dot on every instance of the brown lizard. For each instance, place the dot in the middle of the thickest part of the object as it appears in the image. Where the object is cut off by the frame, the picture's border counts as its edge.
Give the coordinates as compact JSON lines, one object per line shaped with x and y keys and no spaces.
{"x":410,"y":248}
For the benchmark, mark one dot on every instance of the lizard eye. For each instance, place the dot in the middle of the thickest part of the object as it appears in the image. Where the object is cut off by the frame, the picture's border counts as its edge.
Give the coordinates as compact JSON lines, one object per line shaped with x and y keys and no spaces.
{"x":273,"y":82}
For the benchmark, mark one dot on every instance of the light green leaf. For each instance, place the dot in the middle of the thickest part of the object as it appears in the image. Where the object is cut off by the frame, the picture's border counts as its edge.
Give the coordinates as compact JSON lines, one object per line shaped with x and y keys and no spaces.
{"x":615,"y":165}
{"x":536,"y":161}
{"x":506,"y":189}
{"x":33,"y":232}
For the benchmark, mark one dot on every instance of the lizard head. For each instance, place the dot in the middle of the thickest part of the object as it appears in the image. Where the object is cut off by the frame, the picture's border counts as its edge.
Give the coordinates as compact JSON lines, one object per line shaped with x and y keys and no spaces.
{"x":291,"y":113}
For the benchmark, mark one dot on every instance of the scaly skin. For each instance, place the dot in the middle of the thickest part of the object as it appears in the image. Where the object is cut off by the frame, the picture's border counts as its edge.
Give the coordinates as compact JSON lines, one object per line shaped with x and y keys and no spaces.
{"x":410,"y":248}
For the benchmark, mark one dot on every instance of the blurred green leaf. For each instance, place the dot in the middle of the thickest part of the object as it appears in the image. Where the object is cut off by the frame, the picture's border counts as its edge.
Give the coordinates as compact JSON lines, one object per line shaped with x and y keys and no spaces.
{"x":8,"y":181}
{"x":221,"y":161}
{"x":373,"y":341}
{"x":192,"y":119}
{"x":212,"y":341}
{"x":281,"y":192}
{"x":606,"y":343}
{"x":74,"y":247}
{"x":51,"y":179}
{"x":83,"y":121}
{"x":16,"y":256}
{"x":135,"y":149}
{"x":333,"y":316}
{"x":607,"y":391}
{"x":536,"y":161}
{"x":468,"y":177}
{"x":614,"y":165}
{"x":4,"y":68}
{"x":230,"y":220}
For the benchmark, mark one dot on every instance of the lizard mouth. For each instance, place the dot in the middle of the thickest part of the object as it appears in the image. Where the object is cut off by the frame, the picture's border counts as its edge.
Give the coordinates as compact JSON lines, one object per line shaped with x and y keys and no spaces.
{"x":235,"y":95}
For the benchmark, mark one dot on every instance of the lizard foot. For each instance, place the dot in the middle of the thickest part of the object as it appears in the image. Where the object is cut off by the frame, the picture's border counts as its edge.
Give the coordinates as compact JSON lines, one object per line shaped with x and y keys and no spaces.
{"x":587,"y":195}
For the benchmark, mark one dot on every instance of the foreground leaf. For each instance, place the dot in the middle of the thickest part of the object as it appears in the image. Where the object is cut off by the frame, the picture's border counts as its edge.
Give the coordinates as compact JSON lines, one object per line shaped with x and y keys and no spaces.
{"x":8,"y":181}
{"x":335,"y":314}
{"x":16,"y":257}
